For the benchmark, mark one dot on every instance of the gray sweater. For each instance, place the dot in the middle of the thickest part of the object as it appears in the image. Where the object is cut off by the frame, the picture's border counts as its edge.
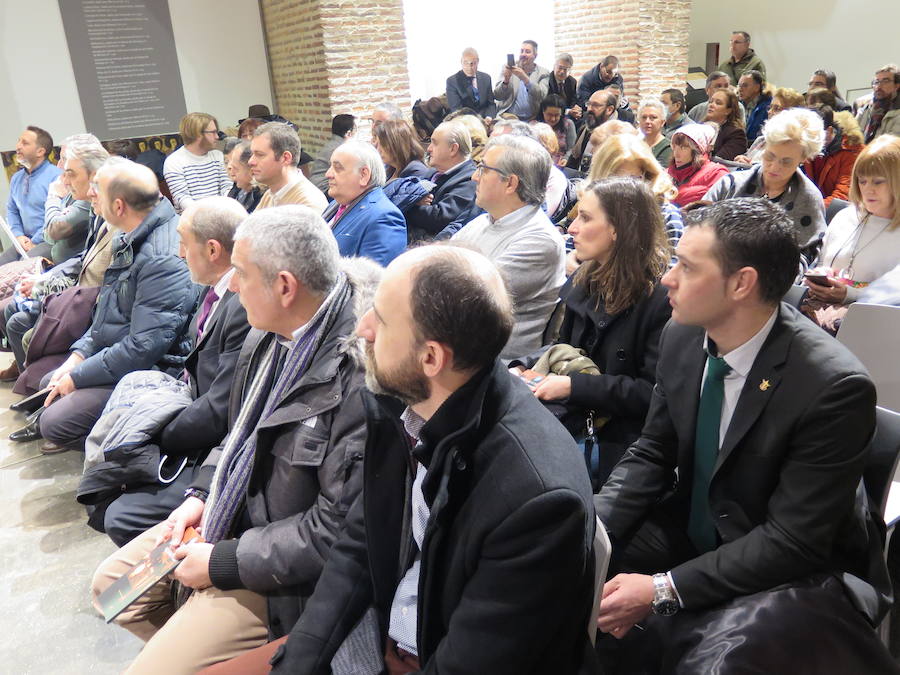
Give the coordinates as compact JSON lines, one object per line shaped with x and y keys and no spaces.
{"x":530,"y":254}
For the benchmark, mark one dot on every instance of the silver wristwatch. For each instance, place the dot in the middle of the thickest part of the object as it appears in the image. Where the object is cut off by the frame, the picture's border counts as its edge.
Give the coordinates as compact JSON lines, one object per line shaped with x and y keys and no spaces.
{"x":665,"y":603}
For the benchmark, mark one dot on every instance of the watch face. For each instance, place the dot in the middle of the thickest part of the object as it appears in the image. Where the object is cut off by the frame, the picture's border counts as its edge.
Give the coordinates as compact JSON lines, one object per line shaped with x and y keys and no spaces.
{"x":665,"y":607}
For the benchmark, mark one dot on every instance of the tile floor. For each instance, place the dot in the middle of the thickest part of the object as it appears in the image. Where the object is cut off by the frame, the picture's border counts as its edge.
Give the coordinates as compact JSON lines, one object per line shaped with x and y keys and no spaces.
{"x":47,"y":556}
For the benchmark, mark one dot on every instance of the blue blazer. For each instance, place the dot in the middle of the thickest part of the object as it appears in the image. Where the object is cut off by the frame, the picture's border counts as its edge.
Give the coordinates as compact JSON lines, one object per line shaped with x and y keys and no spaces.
{"x":757,"y":117}
{"x":373,"y":228}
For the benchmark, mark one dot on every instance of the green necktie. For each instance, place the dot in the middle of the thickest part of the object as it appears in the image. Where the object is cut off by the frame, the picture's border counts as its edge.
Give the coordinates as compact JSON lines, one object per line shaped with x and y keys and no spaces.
{"x":706,"y":450}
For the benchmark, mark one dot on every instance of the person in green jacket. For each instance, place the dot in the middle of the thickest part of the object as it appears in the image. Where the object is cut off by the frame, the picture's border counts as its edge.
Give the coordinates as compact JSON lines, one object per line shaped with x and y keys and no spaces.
{"x":742,"y":58}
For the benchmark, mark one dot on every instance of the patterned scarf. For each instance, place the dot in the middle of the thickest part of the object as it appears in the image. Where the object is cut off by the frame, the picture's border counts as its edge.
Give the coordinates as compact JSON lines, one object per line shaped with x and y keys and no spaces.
{"x":268,"y":386}
{"x":879,"y":110}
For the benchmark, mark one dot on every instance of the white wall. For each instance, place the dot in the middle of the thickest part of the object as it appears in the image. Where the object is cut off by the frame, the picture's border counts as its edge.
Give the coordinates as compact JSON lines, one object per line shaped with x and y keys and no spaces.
{"x":437,"y":34}
{"x":795,"y":37}
{"x":221,"y":54}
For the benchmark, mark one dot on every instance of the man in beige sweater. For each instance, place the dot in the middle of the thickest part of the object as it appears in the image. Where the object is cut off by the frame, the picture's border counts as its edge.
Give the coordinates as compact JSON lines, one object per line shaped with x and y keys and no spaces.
{"x":275,"y":150}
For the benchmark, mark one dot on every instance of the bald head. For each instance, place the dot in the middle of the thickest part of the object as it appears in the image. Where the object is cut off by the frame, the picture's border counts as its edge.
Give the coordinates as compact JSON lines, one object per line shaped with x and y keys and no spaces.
{"x":214,"y":218}
{"x":134,"y":184}
{"x":457,"y":298}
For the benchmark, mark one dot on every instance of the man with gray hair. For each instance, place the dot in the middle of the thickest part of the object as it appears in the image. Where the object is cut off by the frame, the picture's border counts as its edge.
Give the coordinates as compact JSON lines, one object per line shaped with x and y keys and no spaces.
{"x":271,"y":499}
{"x":471,"y":88}
{"x":274,"y":153}
{"x":517,"y":235}
{"x":69,"y":222}
{"x":563,"y":84}
{"x":217,"y":330}
{"x":364,"y":221}
{"x":454,"y":191}
{"x":385,"y":111}
{"x":67,"y":217}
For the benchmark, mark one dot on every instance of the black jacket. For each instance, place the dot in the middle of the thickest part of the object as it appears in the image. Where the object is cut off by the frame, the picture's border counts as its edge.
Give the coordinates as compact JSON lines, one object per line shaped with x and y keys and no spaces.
{"x":459,"y":93}
{"x":203,"y":424}
{"x":591,"y":82}
{"x":625,"y":347}
{"x":454,"y":193}
{"x":568,"y":90}
{"x":783,"y":494}
{"x":507,"y":568}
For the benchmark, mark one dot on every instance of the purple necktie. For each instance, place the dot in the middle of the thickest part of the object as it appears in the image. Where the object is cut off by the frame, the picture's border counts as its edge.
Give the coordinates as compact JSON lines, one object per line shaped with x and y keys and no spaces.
{"x":208,"y":302}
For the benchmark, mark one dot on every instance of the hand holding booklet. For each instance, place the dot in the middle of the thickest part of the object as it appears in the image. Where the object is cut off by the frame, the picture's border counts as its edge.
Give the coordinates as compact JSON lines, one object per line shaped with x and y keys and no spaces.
{"x":139,"y":579}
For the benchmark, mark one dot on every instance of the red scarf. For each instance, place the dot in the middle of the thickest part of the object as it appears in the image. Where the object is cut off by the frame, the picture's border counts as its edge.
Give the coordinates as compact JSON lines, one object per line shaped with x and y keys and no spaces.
{"x":682,"y":174}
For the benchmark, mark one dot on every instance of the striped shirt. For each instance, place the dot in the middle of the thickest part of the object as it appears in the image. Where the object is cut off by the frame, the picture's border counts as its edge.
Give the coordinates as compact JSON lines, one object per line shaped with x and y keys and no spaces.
{"x":191,"y":177}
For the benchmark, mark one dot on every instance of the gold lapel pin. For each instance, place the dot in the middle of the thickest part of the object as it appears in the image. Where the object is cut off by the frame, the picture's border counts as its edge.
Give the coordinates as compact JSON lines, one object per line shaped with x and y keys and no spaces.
{"x":764,"y":385}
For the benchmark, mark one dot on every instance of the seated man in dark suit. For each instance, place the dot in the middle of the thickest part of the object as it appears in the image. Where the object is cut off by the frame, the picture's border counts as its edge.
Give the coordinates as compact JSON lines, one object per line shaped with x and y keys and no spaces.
{"x":741,"y":496}
{"x":470,"y":88}
{"x":218,"y":327}
{"x":449,"y":151}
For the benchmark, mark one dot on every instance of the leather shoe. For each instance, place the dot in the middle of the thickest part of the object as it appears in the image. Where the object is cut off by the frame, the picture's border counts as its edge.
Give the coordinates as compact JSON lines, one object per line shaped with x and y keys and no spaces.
{"x":30,"y":432}
{"x":51,"y":448}
{"x":10,"y":374}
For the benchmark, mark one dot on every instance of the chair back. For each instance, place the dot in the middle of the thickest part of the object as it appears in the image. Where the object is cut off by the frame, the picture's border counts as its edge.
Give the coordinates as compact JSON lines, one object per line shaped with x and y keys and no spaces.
{"x":870,"y":332}
{"x":881,"y":465}
{"x":602,"y":552}
{"x":833,"y":207}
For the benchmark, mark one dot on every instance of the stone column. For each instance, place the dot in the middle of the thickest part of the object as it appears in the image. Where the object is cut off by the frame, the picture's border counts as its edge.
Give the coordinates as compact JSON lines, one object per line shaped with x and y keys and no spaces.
{"x":330,"y":57}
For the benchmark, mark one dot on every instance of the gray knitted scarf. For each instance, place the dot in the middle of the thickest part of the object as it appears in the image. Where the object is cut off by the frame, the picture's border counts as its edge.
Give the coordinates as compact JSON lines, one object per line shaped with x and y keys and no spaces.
{"x":232,"y":476}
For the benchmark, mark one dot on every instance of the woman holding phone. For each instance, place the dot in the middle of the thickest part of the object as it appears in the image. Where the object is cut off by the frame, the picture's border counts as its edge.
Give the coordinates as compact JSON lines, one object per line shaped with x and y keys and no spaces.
{"x":615,"y":310}
{"x":862,"y":243}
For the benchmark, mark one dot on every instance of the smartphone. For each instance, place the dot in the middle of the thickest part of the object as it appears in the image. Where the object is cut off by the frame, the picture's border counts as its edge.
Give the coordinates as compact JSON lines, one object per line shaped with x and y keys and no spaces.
{"x":511,"y":60}
{"x":820,"y":279}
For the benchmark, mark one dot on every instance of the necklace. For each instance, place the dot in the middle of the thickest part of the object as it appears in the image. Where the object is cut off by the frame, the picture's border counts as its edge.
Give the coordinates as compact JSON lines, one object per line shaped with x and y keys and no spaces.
{"x":847,"y":272}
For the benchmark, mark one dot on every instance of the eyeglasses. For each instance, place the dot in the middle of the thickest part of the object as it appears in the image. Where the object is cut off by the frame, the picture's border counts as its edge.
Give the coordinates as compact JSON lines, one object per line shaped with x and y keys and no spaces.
{"x":784,"y":162}
{"x":738,"y":42}
{"x":481,"y":167}
{"x":883,"y":81}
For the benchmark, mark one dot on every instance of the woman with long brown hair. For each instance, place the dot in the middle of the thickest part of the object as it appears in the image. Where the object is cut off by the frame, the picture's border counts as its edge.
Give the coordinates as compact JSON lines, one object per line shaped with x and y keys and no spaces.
{"x":725,"y":110}
{"x":615,"y":310}
{"x":400,"y":149}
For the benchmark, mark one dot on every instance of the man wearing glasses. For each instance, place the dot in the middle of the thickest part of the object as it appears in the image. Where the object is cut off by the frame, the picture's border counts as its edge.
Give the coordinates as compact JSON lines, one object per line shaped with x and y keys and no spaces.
{"x":743,"y":58}
{"x":882,"y":114}
{"x":563,"y":84}
{"x":197,"y":169}
{"x":471,"y":88}
{"x":516,"y":234}
{"x":28,"y":194}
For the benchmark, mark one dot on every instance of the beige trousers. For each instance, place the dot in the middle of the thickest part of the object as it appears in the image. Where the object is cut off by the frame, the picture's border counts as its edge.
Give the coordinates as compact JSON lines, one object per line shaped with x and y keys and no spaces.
{"x":212,"y":626}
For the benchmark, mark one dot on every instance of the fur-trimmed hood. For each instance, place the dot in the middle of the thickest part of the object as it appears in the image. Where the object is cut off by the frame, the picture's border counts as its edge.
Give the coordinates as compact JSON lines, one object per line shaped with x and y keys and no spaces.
{"x":364,"y":276}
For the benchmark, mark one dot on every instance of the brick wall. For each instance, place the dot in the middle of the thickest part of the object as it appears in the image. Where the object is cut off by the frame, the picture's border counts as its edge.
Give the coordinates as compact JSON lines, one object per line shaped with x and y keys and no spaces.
{"x":650,"y":37}
{"x":295,"y":41}
{"x":365,"y":44}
